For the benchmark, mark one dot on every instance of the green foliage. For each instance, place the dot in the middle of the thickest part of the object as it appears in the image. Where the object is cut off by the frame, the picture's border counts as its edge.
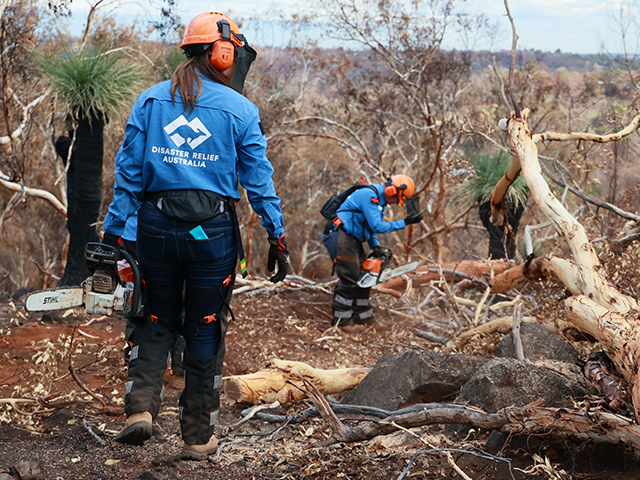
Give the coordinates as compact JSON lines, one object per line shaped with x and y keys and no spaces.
{"x":175,"y":56}
{"x":479,"y":186}
{"x":94,"y":83}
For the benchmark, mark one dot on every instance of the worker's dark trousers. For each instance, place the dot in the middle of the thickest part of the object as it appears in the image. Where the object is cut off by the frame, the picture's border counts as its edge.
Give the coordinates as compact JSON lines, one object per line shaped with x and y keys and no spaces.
{"x":350,"y":302}
{"x":182,"y":272}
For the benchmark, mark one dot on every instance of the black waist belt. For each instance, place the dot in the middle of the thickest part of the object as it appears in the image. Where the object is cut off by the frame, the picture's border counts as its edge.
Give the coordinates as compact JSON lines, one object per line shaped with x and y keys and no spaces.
{"x":198,"y":206}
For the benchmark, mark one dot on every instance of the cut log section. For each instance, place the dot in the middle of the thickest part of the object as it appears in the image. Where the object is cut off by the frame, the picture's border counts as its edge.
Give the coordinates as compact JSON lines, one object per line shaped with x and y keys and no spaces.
{"x":275,"y":383}
{"x":462,"y":270}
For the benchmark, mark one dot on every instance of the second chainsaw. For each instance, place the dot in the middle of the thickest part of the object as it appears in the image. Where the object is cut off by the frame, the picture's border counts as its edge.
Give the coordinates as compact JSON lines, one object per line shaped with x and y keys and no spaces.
{"x":377,"y":268}
{"x":114,"y":287}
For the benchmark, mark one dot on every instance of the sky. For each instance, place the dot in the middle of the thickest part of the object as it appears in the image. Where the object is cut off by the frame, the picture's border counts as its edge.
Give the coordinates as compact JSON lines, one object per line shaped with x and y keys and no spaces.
{"x":573,"y":26}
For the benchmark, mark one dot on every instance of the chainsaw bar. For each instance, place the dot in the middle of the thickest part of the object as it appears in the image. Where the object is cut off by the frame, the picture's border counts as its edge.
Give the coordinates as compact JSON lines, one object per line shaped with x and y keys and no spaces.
{"x":56,"y":299}
{"x":389,"y":273}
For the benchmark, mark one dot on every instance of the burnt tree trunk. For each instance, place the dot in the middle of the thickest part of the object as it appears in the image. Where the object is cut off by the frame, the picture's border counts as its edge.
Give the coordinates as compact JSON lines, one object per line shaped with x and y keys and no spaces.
{"x":84,"y":195}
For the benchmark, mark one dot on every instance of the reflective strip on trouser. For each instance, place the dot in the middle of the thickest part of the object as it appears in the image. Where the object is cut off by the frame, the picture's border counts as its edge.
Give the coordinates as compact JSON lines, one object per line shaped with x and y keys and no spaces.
{"x":343,"y":297}
{"x":362,"y":311}
{"x":200,"y":399}
{"x":144,"y":381}
{"x":349,"y":258}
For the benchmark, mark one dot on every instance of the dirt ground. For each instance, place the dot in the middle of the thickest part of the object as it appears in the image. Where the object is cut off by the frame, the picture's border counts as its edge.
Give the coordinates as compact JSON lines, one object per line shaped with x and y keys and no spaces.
{"x":68,"y":434}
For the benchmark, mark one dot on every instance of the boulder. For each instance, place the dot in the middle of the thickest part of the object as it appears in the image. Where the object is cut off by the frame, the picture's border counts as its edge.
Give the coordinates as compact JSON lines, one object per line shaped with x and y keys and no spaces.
{"x":503,"y":382}
{"x":538,"y":343}
{"x":411,"y":377}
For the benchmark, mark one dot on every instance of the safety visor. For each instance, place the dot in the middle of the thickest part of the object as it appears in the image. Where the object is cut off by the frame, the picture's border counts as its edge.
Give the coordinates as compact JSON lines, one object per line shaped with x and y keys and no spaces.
{"x":245,"y":56}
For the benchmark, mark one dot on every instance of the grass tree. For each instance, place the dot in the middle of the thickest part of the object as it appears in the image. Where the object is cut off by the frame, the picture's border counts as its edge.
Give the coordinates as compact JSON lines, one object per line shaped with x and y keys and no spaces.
{"x":479,"y":187}
{"x":94,"y":87}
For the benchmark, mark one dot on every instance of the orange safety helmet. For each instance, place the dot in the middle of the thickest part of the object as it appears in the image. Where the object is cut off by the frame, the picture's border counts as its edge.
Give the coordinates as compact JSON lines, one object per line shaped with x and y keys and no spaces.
{"x":213,"y":28}
{"x":399,"y":184}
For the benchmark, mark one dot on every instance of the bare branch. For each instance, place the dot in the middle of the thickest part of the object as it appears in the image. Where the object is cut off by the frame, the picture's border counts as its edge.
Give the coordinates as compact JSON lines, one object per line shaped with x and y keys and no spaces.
{"x":26,"y":110}
{"x":35,"y":192}
{"x":598,"y":203}
{"x":512,"y":63}
{"x":590,"y":137}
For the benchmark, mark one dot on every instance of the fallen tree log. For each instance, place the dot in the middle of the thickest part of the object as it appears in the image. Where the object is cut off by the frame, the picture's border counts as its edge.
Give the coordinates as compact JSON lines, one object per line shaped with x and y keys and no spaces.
{"x":598,"y":426}
{"x":462,"y":270}
{"x":275,"y":383}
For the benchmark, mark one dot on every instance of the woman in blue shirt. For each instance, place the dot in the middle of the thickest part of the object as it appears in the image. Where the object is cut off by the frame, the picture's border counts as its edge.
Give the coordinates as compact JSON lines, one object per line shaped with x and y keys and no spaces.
{"x":188,"y":143}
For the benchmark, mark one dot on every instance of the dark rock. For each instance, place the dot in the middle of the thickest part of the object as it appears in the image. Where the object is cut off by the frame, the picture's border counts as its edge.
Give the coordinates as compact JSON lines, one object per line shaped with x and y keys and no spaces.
{"x":495,"y":442}
{"x":152,"y":476}
{"x":5,"y":297}
{"x":59,"y":418}
{"x":239,"y":464}
{"x":503,"y":382}
{"x":538,"y":343}
{"x":413,"y":377}
{"x":30,"y":471}
{"x":164,"y":461}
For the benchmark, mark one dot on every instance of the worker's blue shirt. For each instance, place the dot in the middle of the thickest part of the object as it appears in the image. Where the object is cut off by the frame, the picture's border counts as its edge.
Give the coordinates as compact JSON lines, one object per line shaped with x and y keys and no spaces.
{"x":130,"y":232}
{"x":210,"y":148}
{"x":362,"y":215}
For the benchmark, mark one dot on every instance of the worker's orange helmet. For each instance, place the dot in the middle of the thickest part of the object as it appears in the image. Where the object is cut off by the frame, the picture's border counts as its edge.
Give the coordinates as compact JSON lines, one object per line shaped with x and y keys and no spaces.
{"x":402,"y":185}
{"x":213,"y":28}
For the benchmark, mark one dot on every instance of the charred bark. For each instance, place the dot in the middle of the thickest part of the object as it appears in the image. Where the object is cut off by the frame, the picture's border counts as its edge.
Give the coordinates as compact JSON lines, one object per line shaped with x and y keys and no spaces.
{"x":84,"y":195}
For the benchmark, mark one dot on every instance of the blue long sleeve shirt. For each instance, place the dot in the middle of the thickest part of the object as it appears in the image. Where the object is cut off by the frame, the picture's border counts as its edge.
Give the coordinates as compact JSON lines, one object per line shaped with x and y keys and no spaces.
{"x":215,"y":146}
{"x":362,"y":215}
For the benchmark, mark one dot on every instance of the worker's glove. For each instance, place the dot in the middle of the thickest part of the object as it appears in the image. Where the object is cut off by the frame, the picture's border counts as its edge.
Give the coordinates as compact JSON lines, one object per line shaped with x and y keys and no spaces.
{"x":111,"y":240}
{"x":413,"y":218}
{"x":278,"y":252}
{"x":378,"y":252}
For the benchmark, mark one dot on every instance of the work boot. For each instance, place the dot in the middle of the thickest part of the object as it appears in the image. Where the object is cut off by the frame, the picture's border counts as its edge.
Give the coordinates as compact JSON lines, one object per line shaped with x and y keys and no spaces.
{"x":351,"y":329}
{"x":137,"y":429}
{"x":199,"y":452}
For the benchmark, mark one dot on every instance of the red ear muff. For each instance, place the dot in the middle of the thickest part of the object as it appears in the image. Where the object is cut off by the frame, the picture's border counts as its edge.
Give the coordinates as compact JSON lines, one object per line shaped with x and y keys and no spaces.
{"x":223,"y":51}
{"x":222,"y":54}
{"x":390,"y":190}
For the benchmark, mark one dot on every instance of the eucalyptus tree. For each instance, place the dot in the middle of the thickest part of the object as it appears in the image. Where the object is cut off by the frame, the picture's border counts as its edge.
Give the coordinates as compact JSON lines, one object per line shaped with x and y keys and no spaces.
{"x":95,"y":87}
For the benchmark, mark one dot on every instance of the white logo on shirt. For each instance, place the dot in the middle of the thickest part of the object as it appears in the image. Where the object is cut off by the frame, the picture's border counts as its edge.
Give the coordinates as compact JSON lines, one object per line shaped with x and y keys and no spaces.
{"x":195,"y":125}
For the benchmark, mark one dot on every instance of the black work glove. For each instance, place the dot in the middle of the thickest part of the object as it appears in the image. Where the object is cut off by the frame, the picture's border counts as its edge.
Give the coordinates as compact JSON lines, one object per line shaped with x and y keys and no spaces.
{"x":111,"y":239}
{"x":413,"y":218}
{"x":377,"y":252}
{"x":278,"y":252}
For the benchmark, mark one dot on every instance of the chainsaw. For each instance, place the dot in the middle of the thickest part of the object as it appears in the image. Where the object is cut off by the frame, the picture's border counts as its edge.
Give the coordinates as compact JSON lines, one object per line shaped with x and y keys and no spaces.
{"x":375,"y":269}
{"x":113,"y":289}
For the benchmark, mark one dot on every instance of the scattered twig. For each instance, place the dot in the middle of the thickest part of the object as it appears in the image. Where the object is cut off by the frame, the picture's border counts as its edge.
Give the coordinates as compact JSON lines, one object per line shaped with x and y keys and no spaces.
{"x":90,"y":430}
{"x":84,"y":387}
{"x":515,"y":330}
{"x":476,"y":318}
{"x":252,"y":411}
{"x":14,"y":404}
{"x":432,"y":337}
{"x":484,"y":455}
